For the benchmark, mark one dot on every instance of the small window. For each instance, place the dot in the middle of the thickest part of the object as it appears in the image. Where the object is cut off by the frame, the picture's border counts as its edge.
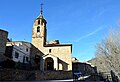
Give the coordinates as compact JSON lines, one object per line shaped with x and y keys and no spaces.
{"x":23,"y":59}
{"x":38,"y":21}
{"x":26,"y":59}
{"x":38,"y":29}
{"x":26,"y":49}
{"x":49,"y":50}
{"x":16,"y":54}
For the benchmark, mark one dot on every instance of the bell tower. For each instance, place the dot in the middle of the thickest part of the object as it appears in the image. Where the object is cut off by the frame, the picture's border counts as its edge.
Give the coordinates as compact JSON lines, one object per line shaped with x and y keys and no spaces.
{"x":39,"y":31}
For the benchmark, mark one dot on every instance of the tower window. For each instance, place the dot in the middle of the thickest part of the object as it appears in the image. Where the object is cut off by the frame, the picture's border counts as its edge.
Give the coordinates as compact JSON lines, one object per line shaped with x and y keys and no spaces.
{"x":49,"y":50}
{"x":38,"y":29}
{"x":38,"y":21}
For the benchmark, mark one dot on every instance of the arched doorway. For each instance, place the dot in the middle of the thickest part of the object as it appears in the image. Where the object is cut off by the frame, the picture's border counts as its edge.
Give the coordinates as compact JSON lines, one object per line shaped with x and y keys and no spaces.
{"x":49,"y":64}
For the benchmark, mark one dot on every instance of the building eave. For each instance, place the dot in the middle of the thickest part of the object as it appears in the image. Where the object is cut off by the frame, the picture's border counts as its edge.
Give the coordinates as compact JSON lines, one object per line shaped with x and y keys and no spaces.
{"x":55,"y":45}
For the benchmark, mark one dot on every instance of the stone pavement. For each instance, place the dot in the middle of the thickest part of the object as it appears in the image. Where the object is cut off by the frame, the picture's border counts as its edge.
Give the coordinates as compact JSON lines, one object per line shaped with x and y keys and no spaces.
{"x":69,"y":80}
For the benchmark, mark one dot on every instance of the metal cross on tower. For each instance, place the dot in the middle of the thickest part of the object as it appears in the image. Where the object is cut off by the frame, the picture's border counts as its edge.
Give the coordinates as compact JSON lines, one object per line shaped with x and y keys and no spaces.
{"x":41,"y":8}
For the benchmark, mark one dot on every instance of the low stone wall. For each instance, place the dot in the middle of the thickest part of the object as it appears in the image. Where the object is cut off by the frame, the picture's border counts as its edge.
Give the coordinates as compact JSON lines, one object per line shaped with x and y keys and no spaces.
{"x":14,"y":74}
{"x":22,"y":75}
{"x":53,"y":75}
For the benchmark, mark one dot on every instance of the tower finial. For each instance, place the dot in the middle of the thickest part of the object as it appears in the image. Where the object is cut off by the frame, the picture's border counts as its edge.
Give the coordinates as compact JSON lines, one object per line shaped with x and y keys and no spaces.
{"x":41,"y":8}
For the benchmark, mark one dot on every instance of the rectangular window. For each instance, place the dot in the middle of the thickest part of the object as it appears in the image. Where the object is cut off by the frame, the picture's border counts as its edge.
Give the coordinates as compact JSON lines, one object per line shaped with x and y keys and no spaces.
{"x":26,"y":49}
{"x":49,"y":50}
{"x":26,"y":59}
{"x":23,"y":59}
{"x":16,"y":54}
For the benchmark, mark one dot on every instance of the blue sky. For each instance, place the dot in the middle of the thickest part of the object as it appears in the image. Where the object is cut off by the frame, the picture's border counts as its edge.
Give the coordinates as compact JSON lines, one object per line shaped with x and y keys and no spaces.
{"x":80,"y":22}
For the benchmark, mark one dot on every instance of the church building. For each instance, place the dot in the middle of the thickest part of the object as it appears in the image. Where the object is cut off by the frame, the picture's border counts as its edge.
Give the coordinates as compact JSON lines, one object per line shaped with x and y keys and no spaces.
{"x":55,"y":56}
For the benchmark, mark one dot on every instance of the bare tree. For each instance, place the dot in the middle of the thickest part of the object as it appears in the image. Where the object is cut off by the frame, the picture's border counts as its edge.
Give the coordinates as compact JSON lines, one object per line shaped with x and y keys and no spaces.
{"x":108,"y":53}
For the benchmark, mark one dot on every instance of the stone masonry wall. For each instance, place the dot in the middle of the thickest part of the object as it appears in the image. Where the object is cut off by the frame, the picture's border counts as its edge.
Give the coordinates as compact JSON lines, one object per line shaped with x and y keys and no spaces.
{"x":3,"y":40}
{"x":53,"y":75}
{"x":27,"y":75}
{"x":63,"y":53}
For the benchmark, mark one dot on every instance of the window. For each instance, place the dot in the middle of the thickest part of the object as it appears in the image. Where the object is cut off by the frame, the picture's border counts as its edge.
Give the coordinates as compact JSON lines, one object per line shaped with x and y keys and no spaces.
{"x":38,"y":29}
{"x":38,"y":21}
{"x":49,"y":50}
{"x":26,"y":59}
{"x":16,"y":54}
{"x":23,"y":59}
{"x":26,"y":49}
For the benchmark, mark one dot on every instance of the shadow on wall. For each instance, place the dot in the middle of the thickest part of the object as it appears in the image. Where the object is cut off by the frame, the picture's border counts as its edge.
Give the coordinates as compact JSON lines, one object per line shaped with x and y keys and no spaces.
{"x":62,"y":65}
{"x":8,"y":51}
{"x":7,"y":64}
{"x":51,"y":64}
{"x":35,"y":57}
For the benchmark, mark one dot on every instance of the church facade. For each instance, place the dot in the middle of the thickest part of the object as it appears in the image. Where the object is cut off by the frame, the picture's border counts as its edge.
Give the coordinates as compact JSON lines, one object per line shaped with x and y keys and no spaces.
{"x":55,"y":56}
